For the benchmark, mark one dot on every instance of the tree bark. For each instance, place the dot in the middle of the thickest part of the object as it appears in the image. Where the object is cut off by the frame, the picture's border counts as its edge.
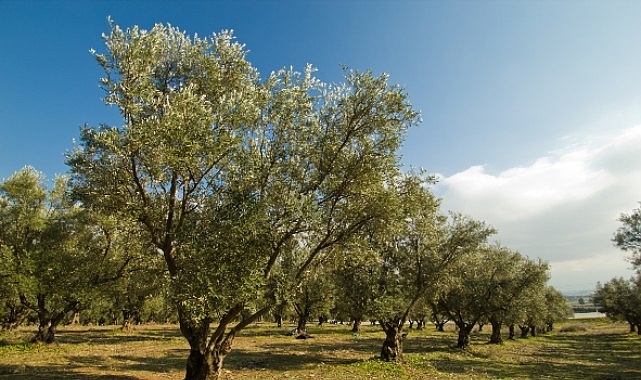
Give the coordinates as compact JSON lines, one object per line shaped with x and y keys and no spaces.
{"x":495,"y":337}
{"x":392,"y":350}
{"x":47,"y":321}
{"x":17,"y":314}
{"x":203,"y":363}
{"x":206,"y":354}
{"x":301,"y":327}
{"x":464,"y":334}
{"x":356,"y":326}
{"x":524,"y":331}
{"x":511,"y":329}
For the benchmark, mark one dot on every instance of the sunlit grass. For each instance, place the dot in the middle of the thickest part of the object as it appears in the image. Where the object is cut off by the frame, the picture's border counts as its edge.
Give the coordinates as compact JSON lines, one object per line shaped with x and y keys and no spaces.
{"x":578,"y":349}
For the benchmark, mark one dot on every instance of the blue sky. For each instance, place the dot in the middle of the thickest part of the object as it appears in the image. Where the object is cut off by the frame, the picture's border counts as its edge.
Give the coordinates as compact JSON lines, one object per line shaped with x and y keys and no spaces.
{"x":531,"y":109}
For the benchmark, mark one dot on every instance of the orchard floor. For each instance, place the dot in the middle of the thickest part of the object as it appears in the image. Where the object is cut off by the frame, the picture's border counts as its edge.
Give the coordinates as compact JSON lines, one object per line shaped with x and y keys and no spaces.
{"x":577,"y":349}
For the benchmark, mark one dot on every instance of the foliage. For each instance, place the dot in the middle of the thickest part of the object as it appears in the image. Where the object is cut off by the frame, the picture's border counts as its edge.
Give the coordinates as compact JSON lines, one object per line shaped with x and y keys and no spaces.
{"x":628,"y":235}
{"x":620,"y":299}
{"x":226,"y":173}
{"x":54,"y":253}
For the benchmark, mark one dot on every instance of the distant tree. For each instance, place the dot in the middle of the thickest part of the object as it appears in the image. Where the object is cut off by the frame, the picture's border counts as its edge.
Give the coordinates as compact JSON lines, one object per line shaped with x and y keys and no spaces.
{"x":226,"y":173}
{"x":628,"y":235}
{"x":313,"y":297}
{"x":355,"y":282}
{"x":513,"y":279}
{"x":620,"y":299}
{"x":416,"y":251}
{"x":54,"y":253}
{"x":556,"y":306}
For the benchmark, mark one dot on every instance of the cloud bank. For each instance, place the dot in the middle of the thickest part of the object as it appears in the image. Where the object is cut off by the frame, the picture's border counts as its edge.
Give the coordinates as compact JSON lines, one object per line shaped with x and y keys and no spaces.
{"x":562,"y":208}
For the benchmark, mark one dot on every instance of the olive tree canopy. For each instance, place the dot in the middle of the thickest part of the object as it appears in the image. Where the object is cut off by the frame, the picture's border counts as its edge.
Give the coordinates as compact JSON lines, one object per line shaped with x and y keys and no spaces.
{"x":227,"y":172}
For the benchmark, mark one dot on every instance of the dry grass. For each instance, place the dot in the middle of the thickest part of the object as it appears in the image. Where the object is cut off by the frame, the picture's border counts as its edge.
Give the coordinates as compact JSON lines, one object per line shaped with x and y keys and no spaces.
{"x":598,"y":350}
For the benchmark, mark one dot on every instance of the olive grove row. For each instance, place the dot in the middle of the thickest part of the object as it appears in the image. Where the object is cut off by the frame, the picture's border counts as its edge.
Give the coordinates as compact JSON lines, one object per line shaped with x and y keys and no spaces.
{"x":619,"y":298}
{"x":224,"y":198}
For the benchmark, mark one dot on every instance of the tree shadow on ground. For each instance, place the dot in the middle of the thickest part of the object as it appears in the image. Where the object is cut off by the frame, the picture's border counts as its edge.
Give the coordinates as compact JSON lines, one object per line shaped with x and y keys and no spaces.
{"x":114,"y":336}
{"x":52,"y":372}
{"x":585,"y":357}
{"x":170,"y":360}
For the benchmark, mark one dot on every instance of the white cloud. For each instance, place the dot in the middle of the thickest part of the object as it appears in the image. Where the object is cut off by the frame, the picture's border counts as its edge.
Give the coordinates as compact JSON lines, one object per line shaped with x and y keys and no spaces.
{"x":563,"y":207}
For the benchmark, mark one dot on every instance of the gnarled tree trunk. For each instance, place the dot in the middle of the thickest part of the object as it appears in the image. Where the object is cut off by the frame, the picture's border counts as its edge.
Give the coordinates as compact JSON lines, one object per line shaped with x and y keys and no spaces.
{"x":356,"y":326}
{"x":495,"y":337}
{"x":207,"y":351}
{"x":392,"y":350}
{"x":465,"y":329}
{"x":205,"y":361}
{"x":525,"y":330}
{"x":48,"y":321}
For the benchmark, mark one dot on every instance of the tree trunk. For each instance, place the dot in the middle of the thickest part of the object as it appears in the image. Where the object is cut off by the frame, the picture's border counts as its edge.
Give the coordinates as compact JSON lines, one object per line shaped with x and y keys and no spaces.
{"x":279,"y":320}
{"x":46,"y":331}
{"x":524,"y":331}
{"x":47,"y":321}
{"x":17,"y":314}
{"x":301,"y":327}
{"x":440,"y":326}
{"x":356,"y":326}
{"x":464,"y":334}
{"x":127,"y":320}
{"x":632,"y":327}
{"x":392,"y":350}
{"x":511,"y":329}
{"x":495,"y":337}
{"x":203,"y":363}
{"x":533,"y":331}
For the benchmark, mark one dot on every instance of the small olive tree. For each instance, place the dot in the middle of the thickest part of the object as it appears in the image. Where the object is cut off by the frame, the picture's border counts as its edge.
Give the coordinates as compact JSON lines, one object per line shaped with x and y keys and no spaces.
{"x":55,"y":254}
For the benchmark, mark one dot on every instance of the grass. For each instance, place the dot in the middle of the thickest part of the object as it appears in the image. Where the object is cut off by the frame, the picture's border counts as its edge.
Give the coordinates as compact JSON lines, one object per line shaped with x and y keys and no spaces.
{"x":587,"y":349}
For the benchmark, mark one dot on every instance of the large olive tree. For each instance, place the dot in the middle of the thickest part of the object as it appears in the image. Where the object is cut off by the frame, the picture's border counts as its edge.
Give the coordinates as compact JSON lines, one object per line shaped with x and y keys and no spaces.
{"x":227,"y":173}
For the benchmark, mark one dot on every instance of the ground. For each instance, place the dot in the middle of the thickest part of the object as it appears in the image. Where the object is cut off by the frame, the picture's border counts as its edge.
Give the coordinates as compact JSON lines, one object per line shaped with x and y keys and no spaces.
{"x":578,"y":349}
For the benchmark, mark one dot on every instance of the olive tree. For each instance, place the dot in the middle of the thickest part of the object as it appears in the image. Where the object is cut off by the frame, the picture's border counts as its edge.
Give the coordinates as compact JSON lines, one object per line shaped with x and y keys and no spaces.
{"x":415,"y":249}
{"x":619,"y":300}
{"x":355,"y":285}
{"x":514,"y":277}
{"x":628,"y":235}
{"x":227,"y":173}
{"x":54,"y":254}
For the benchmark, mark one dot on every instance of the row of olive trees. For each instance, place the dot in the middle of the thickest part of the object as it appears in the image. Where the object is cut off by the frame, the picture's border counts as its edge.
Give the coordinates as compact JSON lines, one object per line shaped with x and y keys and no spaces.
{"x":619,"y":298}
{"x":429,"y":266}
{"x":231,"y":193}
{"x":54,"y":254}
